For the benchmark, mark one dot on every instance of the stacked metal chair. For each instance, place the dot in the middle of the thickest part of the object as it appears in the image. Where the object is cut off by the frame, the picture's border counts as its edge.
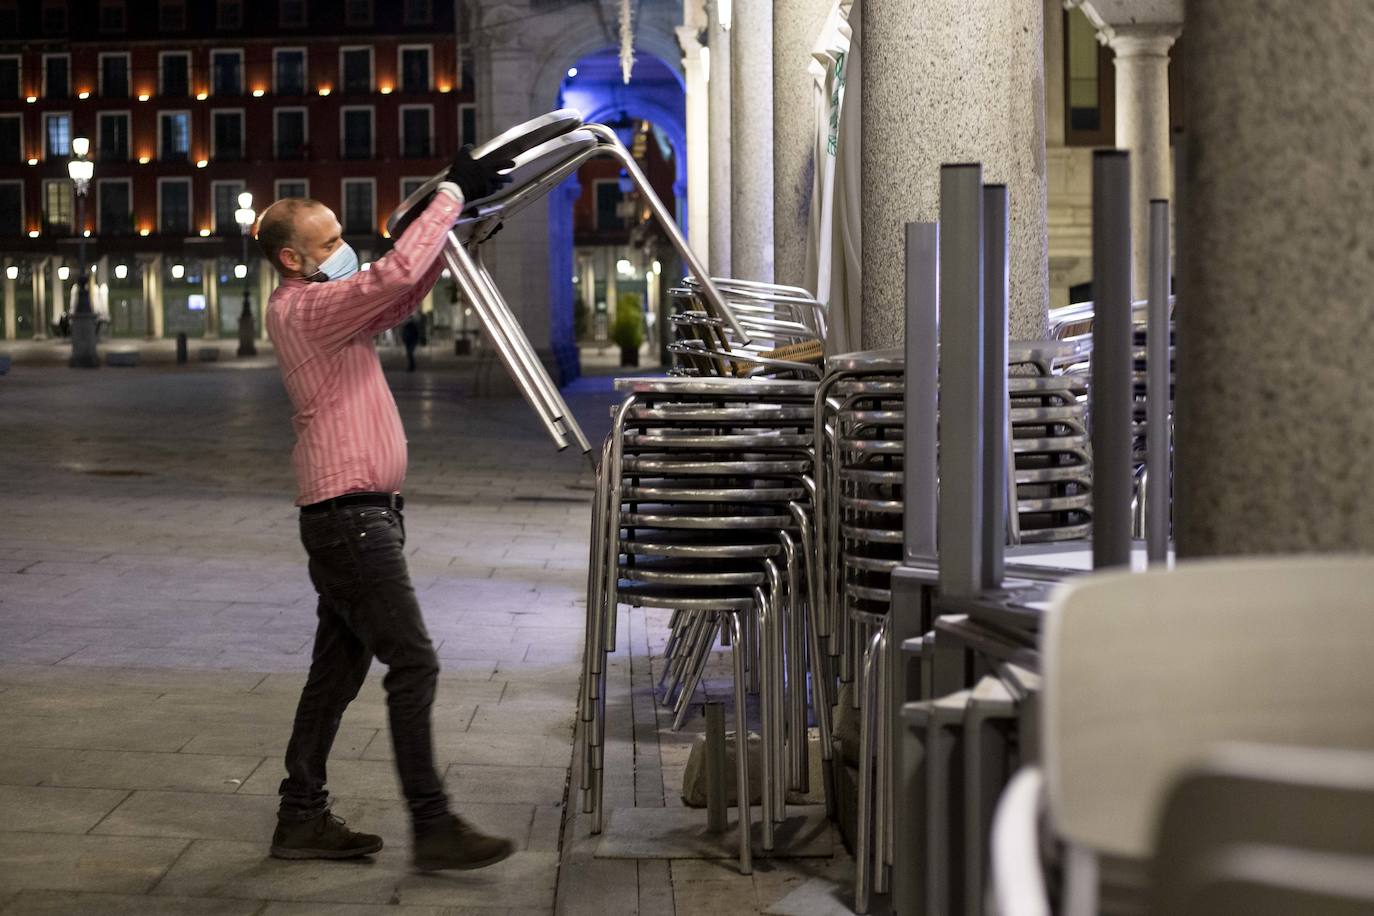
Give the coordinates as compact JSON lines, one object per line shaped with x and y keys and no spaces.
{"x":703,"y":500}
{"x":1140,"y":431}
{"x":701,"y":487}
{"x":1052,"y":461}
{"x":859,"y":508}
{"x":785,"y":326}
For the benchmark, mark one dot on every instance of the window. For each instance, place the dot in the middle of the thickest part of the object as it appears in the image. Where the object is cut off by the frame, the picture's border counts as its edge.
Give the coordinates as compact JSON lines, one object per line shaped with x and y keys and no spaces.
{"x":56,"y":76}
{"x":419,"y":12}
{"x":225,"y":200}
{"x":417,"y":131}
{"x":1089,"y":105}
{"x":414,"y":67}
{"x":226,"y":72}
{"x":175,"y":70}
{"x":229,"y":14}
{"x":290,"y":133}
{"x":112,"y":17}
{"x":57,"y":206}
{"x":358,"y":199}
{"x":114,"y":75}
{"x":608,"y":197}
{"x":292,"y":14}
{"x":292,"y":187}
{"x":467,"y":125}
{"x":114,"y":206}
{"x":355,"y":69}
{"x":358,"y":12}
{"x":172,"y":15}
{"x":9,"y":17}
{"x":10,"y":82}
{"x":57,"y":135}
{"x":174,"y":206}
{"x":11,"y":207}
{"x":54,"y":17}
{"x":357,"y":132}
{"x":289,"y":71}
{"x":226,"y":139}
{"x":174,"y":136}
{"x":112,"y":136}
{"x":410,"y":185}
{"x":11,"y":138}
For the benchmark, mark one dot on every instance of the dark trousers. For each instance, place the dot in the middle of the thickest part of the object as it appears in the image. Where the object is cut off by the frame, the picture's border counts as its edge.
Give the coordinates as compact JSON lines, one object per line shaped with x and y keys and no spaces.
{"x":367,"y":608}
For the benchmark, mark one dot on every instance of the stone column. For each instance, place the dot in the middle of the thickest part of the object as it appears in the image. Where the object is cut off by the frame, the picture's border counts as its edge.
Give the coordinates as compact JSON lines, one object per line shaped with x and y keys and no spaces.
{"x":949,"y":81}
{"x":38,"y":276}
{"x":1142,"y":126}
{"x":718,"y":170}
{"x":796,"y":26}
{"x":1275,"y":436}
{"x":11,"y":319}
{"x":57,"y":289}
{"x":209,"y":285}
{"x":158,"y":323}
{"x":698,"y":129}
{"x":503,"y":66}
{"x":751,"y":141}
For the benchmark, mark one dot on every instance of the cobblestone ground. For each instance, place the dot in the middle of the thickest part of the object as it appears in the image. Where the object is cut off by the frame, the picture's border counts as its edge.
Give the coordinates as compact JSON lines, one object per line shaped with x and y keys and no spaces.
{"x":156,"y":622}
{"x":155,"y":627}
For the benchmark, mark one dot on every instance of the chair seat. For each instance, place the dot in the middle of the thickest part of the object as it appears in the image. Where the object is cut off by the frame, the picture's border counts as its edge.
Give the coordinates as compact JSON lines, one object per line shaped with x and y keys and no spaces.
{"x":685,"y":598}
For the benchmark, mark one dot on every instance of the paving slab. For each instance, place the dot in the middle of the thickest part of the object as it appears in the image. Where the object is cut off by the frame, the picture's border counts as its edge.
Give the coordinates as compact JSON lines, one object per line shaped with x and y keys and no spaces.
{"x":52,"y":861}
{"x":70,"y":903}
{"x":125,"y":769}
{"x":50,"y":809}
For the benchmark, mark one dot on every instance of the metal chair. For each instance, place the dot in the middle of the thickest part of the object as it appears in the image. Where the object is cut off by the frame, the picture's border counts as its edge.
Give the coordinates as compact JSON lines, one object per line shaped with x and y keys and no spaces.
{"x":1262,"y":829}
{"x":1143,"y":672}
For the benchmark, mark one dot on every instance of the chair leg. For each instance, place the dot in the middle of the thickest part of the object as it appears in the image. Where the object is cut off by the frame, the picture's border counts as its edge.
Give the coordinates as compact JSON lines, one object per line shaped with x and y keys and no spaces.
{"x":746,"y":854}
{"x":766,"y":712}
{"x":697,"y":662}
{"x":882,"y":816}
{"x":863,"y":833}
{"x":674,"y":634}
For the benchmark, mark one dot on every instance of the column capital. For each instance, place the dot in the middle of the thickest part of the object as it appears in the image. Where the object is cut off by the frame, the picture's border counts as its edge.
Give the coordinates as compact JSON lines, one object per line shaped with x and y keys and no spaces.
{"x":689,"y":39}
{"x":1141,"y":39}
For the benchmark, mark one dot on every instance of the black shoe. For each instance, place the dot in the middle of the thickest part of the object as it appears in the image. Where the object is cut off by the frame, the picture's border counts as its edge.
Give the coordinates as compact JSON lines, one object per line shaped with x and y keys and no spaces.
{"x":454,"y":843}
{"x":324,"y":837}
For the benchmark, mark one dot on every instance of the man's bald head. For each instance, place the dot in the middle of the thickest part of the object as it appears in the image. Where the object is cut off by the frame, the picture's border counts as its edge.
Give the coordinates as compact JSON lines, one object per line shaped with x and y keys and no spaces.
{"x":296,"y":233}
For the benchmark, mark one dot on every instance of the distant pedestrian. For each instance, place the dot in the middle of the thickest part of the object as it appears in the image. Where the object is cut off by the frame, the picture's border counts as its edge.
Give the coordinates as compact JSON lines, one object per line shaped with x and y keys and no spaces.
{"x":350,"y":462}
{"x":410,"y":335}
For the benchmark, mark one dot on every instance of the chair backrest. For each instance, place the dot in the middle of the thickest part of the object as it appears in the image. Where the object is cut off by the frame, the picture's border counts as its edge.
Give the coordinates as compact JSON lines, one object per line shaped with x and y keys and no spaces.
{"x":1145,"y":671}
{"x":1261,"y":829}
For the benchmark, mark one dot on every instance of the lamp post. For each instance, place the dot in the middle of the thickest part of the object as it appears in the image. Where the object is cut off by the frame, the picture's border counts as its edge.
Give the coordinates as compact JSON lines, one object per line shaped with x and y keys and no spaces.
{"x":244,"y":216}
{"x":84,"y":353}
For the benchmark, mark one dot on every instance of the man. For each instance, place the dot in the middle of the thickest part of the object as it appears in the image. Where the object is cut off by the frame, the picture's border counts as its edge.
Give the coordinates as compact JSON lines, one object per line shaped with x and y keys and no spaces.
{"x":350,"y":462}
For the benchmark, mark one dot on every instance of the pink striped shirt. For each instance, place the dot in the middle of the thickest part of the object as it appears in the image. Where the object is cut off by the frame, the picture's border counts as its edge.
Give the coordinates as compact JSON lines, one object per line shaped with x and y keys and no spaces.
{"x":348,"y":432}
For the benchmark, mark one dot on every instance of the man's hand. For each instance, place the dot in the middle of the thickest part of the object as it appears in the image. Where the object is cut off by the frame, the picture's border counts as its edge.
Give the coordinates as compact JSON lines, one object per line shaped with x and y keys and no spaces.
{"x":478,"y":178}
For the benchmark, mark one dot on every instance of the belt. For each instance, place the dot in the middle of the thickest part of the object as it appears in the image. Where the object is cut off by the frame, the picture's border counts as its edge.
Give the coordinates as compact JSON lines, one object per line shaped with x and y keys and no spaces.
{"x":383,"y":500}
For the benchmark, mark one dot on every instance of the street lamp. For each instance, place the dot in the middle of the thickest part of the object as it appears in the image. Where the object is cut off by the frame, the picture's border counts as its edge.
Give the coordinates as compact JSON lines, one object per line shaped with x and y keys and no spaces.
{"x":80,"y":170}
{"x":244,"y":216}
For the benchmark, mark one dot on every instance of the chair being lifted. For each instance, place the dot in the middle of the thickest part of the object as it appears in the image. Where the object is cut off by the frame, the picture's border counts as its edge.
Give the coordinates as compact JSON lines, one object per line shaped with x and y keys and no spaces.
{"x":546,"y":150}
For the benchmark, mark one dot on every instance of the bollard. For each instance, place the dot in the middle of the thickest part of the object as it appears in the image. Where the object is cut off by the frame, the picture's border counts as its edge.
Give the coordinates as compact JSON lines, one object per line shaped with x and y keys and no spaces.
{"x":181,"y":349}
{"x":715,"y":772}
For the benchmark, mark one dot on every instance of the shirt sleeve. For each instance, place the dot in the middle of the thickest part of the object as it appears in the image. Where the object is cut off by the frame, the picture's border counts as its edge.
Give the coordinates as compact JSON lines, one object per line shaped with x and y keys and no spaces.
{"x":330,"y":314}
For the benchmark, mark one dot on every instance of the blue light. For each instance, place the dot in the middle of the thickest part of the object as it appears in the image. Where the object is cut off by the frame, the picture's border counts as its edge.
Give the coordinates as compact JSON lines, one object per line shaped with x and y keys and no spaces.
{"x":572,"y":71}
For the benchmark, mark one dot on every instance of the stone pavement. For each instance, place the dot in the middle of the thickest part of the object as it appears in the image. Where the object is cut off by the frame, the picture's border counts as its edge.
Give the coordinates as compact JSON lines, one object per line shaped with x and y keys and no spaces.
{"x":155,"y":627}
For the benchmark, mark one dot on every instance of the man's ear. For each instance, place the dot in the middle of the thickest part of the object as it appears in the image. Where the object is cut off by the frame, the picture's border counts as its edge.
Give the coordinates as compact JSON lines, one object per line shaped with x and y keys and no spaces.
{"x":290,"y":259}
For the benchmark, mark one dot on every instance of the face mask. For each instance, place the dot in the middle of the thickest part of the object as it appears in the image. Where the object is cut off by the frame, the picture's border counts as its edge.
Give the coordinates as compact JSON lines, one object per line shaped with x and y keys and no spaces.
{"x":340,"y":265}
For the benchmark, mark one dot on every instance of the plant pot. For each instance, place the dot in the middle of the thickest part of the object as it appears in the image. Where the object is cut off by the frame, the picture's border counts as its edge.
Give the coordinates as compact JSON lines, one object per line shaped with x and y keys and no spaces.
{"x":629,"y":356}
